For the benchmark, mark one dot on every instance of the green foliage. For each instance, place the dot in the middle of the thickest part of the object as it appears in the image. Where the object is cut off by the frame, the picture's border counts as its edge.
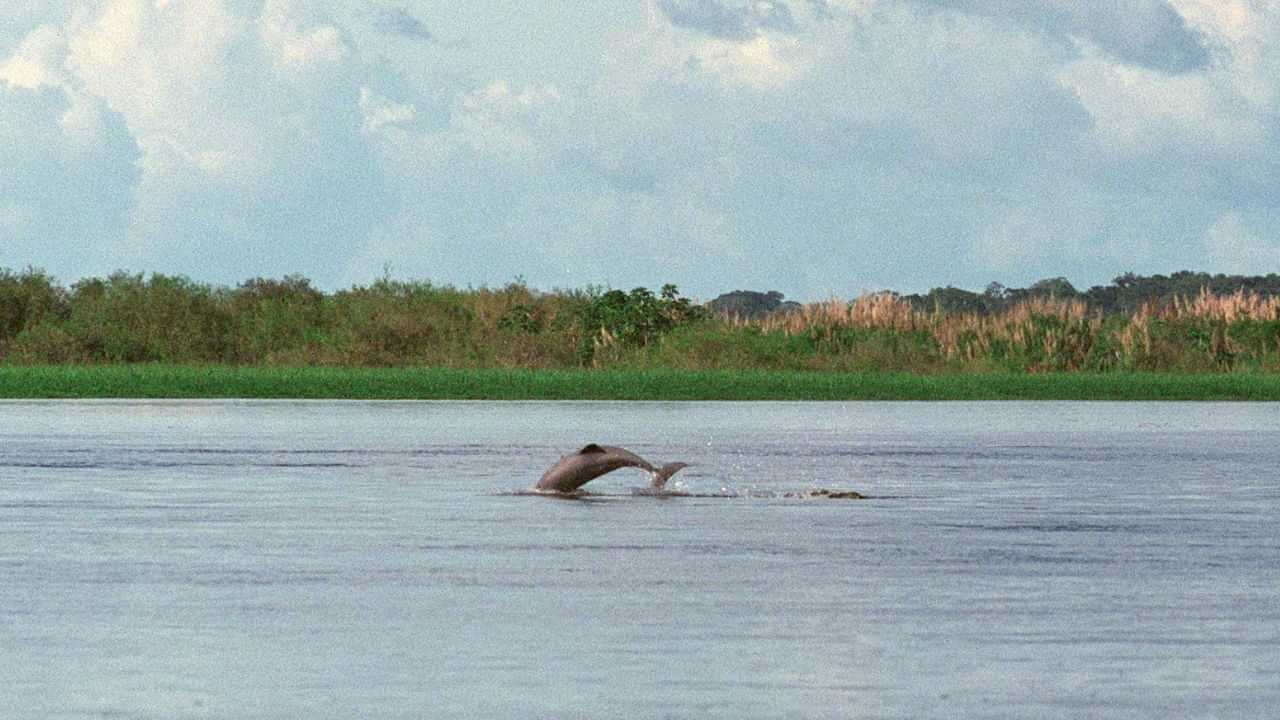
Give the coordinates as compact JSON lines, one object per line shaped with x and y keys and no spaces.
{"x":880,"y":348}
{"x":747,"y":304}
{"x":46,"y":343}
{"x":1106,"y":353}
{"x":277,"y":319}
{"x":715,"y":346}
{"x":950,"y":300}
{"x":1124,"y":295}
{"x":26,"y":300}
{"x":1057,"y":287}
{"x":521,"y":319}
{"x":632,"y":319}
{"x":129,"y":318}
{"x":1257,"y":338}
{"x":221,"y":381}
{"x":394,"y":322}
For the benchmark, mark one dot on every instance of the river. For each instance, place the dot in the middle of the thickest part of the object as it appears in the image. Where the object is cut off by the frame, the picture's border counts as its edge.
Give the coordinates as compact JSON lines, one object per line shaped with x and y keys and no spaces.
{"x":380,"y":560}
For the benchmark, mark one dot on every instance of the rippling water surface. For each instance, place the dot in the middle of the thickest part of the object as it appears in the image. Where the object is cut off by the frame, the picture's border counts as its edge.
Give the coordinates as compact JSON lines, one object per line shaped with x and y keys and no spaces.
{"x":375,"y":560}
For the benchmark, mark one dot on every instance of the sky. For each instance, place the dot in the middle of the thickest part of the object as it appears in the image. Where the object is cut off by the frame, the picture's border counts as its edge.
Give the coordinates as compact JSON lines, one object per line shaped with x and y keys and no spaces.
{"x":815,"y":147}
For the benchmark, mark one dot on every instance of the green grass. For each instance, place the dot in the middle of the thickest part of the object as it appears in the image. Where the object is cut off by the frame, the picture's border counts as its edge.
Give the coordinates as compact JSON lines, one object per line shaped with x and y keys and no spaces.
{"x":217,"y":381}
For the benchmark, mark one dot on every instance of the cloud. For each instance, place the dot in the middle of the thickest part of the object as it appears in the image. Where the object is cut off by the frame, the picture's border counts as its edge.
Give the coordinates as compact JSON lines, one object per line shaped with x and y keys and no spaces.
{"x":399,"y":21}
{"x":249,"y":126}
{"x":914,"y":143}
{"x":1204,"y":132}
{"x":380,"y":112}
{"x":757,"y":46}
{"x":730,"y":22}
{"x":37,"y":60}
{"x":497,"y":119}
{"x":811,"y":146}
{"x":1146,"y":33}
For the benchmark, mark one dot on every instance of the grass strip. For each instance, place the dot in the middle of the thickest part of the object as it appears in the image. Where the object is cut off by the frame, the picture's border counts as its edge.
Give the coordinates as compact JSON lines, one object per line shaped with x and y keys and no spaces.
{"x":217,"y":381}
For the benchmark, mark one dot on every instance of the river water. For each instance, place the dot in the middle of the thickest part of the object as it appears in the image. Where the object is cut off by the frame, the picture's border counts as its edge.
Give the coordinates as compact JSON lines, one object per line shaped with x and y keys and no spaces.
{"x":379,"y":560}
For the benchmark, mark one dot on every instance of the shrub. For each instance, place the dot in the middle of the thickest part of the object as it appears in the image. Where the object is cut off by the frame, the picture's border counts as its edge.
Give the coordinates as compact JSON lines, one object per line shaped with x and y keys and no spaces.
{"x":632,"y":319}
{"x":127,"y":318}
{"x":276,"y":320}
{"x":393,"y":322}
{"x":46,"y":344}
{"x":26,"y":300}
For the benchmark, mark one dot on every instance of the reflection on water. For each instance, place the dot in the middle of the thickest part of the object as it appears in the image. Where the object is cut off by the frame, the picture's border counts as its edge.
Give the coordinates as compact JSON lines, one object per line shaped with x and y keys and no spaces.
{"x":385,"y":560}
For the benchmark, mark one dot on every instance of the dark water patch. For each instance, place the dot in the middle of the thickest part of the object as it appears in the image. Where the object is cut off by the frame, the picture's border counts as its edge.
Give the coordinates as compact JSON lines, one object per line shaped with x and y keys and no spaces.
{"x":1035,"y":555}
{"x":1171,"y":640}
{"x":173,"y":464}
{"x":538,"y":547}
{"x":1067,"y":526}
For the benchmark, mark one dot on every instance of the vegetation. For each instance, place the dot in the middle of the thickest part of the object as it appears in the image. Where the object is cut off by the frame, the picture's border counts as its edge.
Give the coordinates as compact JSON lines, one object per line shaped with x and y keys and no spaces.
{"x":129,"y":318}
{"x":1151,"y":326}
{"x":750,"y":304}
{"x":223,"y":381}
{"x":1127,"y":293}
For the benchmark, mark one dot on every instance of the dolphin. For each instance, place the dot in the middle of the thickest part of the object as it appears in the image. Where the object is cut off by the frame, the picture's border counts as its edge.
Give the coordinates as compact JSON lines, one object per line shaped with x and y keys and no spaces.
{"x":592,"y":461}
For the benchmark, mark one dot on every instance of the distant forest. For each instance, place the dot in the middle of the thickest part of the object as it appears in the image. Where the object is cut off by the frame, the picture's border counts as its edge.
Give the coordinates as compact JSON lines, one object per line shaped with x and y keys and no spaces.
{"x":1122,"y":296}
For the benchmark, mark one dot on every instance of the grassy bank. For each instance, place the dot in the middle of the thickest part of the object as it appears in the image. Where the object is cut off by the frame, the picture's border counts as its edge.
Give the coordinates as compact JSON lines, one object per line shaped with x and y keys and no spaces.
{"x":174,"y":381}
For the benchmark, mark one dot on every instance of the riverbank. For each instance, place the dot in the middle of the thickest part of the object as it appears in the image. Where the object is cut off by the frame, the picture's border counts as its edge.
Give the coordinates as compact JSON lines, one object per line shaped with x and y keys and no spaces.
{"x":216,"y":381}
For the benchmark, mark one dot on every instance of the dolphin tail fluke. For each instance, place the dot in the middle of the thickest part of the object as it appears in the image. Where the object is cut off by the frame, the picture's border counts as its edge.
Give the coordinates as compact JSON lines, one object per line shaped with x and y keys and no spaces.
{"x":661,"y":475}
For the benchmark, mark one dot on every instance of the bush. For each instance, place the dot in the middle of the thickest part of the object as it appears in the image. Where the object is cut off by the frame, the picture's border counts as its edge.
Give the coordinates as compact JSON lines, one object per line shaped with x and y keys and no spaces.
{"x":717,"y":346}
{"x":127,"y":318}
{"x":46,"y":344}
{"x":26,"y":300}
{"x":278,"y":319}
{"x":393,"y":323}
{"x":632,"y":319}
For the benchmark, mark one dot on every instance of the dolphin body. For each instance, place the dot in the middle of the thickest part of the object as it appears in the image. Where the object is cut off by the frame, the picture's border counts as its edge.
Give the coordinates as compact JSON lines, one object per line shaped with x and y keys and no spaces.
{"x":592,"y":461}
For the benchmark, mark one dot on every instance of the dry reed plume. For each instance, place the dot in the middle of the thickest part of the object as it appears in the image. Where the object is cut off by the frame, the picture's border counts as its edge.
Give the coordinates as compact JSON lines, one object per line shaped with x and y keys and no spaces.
{"x":1225,"y":308}
{"x":882,"y":311}
{"x":1047,"y":333}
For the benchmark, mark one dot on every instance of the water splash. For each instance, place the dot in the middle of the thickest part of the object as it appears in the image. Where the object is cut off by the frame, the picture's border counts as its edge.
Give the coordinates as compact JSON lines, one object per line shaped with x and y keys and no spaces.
{"x":681,"y":490}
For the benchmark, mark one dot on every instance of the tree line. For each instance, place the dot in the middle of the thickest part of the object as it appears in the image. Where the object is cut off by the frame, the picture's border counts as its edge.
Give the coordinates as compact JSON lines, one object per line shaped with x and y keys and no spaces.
{"x":1123,"y":295}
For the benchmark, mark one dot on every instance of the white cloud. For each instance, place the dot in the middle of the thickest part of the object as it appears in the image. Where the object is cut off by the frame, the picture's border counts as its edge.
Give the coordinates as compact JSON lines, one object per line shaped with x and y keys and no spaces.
{"x":1227,"y":109}
{"x":297,"y":45}
{"x":757,"y":47}
{"x":801,"y":145}
{"x":36,"y":62}
{"x":379,"y":112}
{"x":759,"y":63}
{"x":249,"y":121}
{"x":497,"y":119}
{"x":1137,"y":111}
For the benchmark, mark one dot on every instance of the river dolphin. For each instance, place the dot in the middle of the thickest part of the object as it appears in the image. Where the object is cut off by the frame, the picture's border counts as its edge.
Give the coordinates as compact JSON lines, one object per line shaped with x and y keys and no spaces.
{"x":574,"y":471}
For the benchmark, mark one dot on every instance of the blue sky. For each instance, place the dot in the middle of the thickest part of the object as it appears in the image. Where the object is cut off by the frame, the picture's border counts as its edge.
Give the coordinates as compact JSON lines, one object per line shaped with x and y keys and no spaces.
{"x":815,"y":147}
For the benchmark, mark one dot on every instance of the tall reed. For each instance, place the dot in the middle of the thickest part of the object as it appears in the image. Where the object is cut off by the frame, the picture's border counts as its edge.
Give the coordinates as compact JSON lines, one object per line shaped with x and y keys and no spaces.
{"x":1040,"y":334}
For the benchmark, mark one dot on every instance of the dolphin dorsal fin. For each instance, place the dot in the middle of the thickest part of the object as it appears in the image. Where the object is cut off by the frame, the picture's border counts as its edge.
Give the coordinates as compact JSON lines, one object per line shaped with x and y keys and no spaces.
{"x":591,"y":448}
